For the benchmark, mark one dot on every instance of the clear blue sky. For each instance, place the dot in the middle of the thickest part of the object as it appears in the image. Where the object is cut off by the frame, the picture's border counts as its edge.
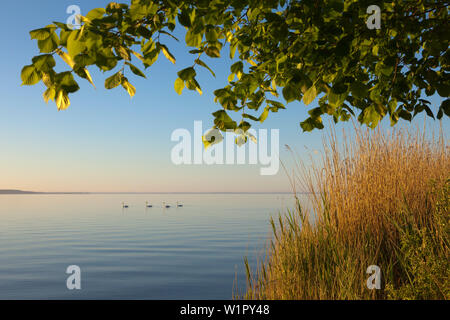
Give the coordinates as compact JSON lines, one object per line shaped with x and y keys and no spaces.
{"x":106,"y":141}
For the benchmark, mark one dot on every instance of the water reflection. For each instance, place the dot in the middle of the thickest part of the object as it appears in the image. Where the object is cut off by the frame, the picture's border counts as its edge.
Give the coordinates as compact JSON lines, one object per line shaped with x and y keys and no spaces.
{"x":138,"y":252}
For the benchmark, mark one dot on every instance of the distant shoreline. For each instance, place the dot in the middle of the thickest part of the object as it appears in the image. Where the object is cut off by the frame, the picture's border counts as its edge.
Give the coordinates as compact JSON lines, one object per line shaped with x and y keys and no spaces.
{"x":10,"y":192}
{"x":21,"y":192}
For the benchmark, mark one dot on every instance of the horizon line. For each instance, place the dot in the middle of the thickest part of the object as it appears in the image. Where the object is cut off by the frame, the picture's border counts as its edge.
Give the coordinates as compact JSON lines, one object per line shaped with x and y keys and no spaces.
{"x":16,"y":191}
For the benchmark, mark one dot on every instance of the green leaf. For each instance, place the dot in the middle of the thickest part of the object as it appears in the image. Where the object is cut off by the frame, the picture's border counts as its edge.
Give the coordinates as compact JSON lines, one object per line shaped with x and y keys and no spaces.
{"x":237,"y":67}
{"x":114,"y":6}
{"x":184,"y":19}
{"x":213,"y":52}
{"x":197,"y":86}
{"x":443,"y":89}
{"x":359,"y":90}
{"x":135,"y":70}
{"x":140,"y":9}
{"x":387,"y":70}
{"x":201,"y":63}
{"x":193,"y":39}
{"x":114,"y":80}
{"x":428,"y":111}
{"x":49,"y":44}
{"x":405,"y":115}
{"x":148,"y":46}
{"x":48,"y":79}
{"x":375,"y":50}
{"x":311,"y":124}
{"x":144,"y":32}
{"x":336,"y":100}
{"x":179,"y":86}
{"x":49,"y":94}
{"x":310,"y":95}
{"x":67,"y":82}
{"x":84,"y":73}
{"x":233,"y":48}
{"x":264,"y":115}
{"x":124,"y":53}
{"x":63,"y":36}
{"x":41,"y":34}
{"x":211,"y":35}
{"x":96,"y":13}
{"x":83,"y":60}
{"x":66,"y":58}
{"x":371,"y":117}
{"x":276,"y":104}
{"x":316,"y":112}
{"x":244,"y":126}
{"x":290,"y":93}
{"x":44,"y":62}
{"x":61,"y":25}
{"x":62,"y":100}
{"x":129,"y":87}
{"x":339,"y":88}
{"x":249,"y":116}
{"x":187,"y":74}
{"x":445,"y":106}
{"x":170,"y":35}
{"x":223,"y":121}
{"x":74,"y":46}
{"x":29,"y":76}
{"x":167,"y":53}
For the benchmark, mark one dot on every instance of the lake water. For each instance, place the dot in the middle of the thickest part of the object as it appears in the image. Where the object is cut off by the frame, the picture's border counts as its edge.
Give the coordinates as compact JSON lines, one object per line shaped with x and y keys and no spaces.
{"x":193,"y":252}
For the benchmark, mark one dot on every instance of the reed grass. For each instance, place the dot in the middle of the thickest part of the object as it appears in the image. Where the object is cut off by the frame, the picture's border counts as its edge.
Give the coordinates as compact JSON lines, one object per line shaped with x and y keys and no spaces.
{"x":376,"y":198}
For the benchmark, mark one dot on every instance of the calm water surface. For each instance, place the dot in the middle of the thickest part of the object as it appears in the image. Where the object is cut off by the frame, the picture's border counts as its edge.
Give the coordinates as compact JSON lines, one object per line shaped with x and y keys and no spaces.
{"x":193,"y":252}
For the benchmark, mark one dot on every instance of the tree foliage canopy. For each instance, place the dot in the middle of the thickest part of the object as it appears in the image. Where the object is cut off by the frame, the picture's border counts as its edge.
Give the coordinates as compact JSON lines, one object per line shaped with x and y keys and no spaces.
{"x":282,"y":51}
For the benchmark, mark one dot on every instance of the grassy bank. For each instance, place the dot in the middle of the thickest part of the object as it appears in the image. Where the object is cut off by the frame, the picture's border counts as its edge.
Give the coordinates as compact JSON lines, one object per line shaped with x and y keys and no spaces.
{"x":378,"y":198}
